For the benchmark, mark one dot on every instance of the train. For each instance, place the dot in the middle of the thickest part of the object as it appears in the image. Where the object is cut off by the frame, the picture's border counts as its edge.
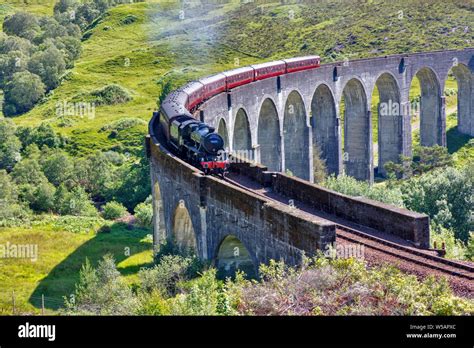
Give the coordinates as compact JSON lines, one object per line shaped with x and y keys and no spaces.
{"x":193,"y":140}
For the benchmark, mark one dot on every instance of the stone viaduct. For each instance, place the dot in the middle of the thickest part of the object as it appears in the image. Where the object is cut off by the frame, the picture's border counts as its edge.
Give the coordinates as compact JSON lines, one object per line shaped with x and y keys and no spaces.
{"x":279,"y":122}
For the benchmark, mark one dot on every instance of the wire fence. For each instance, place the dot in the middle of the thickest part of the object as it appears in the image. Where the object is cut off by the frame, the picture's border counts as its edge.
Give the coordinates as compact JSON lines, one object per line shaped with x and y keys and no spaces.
{"x":14,"y":303}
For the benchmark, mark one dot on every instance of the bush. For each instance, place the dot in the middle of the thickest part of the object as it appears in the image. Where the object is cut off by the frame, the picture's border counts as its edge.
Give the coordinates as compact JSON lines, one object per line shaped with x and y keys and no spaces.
{"x":102,"y":291}
{"x":144,"y":214}
{"x":350,"y":186}
{"x":166,"y":275}
{"x":445,"y":195}
{"x":113,"y":210}
{"x":23,"y":92}
{"x":110,"y":95}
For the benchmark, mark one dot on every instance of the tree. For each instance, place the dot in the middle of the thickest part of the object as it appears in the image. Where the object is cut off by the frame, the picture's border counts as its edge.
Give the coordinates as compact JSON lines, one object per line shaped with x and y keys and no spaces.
{"x":11,"y":63}
{"x":9,"y":205}
{"x":22,"y":24}
{"x":319,"y":166}
{"x":64,"y":5}
{"x":43,"y":198}
{"x":49,"y":65}
{"x":28,"y":171}
{"x":14,"y":43}
{"x":10,"y":145}
{"x":22,"y":92}
{"x":57,"y":166}
{"x":44,"y":135}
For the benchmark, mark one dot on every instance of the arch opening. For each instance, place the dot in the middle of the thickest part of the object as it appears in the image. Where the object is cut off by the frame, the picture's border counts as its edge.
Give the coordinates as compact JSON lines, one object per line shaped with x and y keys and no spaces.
{"x":387,"y":131}
{"x":242,"y":140}
{"x":233,"y":256}
{"x":269,"y":138}
{"x":296,"y":137}
{"x":222,"y":131}
{"x":430,"y":124}
{"x":459,"y":97}
{"x":183,"y":232}
{"x":325,"y":128}
{"x":356,"y":141}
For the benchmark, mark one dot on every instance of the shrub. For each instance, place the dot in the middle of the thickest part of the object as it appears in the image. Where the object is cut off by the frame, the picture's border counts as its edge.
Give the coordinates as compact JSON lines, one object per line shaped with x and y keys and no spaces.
{"x":166,"y":275}
{"x":445,"y":195}
{"x":113,"y":210}
{"x":350,"y":186}
{"x":102,"y":291}
{"x":111,"y":94}
{"x":144,"y":214}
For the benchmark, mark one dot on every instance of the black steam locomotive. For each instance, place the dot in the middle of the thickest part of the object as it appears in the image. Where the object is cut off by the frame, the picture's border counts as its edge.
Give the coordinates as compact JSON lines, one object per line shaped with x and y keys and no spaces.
{"x":190,"y":139}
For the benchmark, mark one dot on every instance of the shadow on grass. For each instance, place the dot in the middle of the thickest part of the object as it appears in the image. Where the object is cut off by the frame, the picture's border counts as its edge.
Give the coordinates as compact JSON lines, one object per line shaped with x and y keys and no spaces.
{"x":62,"y":279}
{"x":456,"y":140}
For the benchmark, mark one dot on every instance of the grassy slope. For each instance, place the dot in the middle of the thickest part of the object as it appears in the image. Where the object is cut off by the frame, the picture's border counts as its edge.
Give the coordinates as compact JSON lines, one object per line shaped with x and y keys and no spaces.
{"x":160,"y":46}
{"x":61,"y":255}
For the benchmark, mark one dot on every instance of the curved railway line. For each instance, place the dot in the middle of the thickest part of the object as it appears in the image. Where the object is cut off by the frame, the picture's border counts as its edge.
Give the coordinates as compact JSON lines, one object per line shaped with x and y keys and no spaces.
{"x":378,"y":250}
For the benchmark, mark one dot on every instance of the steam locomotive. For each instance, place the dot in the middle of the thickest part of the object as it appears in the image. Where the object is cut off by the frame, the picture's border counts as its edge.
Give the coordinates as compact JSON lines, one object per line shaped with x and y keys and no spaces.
{"x":193,"y":140}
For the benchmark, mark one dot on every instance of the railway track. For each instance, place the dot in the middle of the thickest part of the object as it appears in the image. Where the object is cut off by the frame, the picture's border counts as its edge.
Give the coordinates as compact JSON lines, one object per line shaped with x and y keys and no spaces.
{"x":421,"y":258}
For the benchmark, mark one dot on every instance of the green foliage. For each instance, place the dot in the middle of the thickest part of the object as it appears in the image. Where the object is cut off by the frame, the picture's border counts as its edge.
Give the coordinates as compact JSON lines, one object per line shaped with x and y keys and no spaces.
{"x":23,"y":92}
{"x":113,"y":210}
{"x":10,"y":145}
{"x":319,"y":166}
{"x":49,"y":65}
{"x":166,"y":276}
{"x":165,"y":90}
{"x":57,"y":167}
{"x":445,"y":195}
{"x":122,"y":124}
{"x":10,"y":207}
{"x":350,"y":186}
{"x":44,"y":135}
{"x":424,"y":160}
{"x":101,"y":291}
{"x":111,"y":95}
{"x":144,"y":214}
{"x":76,"y":202}
{"x":22,"y":24}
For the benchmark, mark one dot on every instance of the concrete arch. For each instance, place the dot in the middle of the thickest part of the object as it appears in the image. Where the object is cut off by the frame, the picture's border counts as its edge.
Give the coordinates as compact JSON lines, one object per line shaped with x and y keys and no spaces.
{"x":268,"y":136}
{"x":325,"y":127}
{"x":390,"y":121}
{"x":431,"y":132}
{"x":296,"y":136}
{"x":222,"y":131}
{"x":465,"y":108}
{"x":357,"y":139}
{"x":242,"y":139}
{"x":159,"y":229}
{"x":232,"y":255}
{"x":183,"y":234}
